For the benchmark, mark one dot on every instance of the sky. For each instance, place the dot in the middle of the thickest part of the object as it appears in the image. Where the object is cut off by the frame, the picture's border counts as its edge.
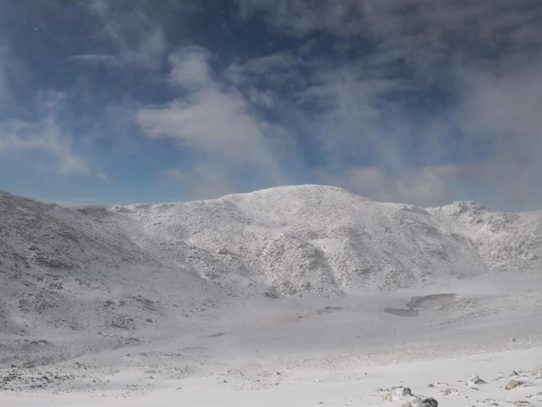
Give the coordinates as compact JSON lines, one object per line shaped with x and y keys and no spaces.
{"x":416,"y":101}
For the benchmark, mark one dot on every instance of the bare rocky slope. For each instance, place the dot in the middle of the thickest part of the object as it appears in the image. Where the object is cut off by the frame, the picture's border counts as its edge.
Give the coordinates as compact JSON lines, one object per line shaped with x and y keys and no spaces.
{"x":106,"y":274}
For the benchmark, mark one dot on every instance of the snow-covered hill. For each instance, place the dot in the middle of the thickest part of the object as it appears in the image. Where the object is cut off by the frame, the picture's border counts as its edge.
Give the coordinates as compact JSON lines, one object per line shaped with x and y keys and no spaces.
{"x":504,"y":241}
{"x":301,"y":238}
{"x":92,"y":269}
{"x":73,"y":275}
{"x":183,"y":289}
{"x":282,"y":240}
{"x":320,"y":238}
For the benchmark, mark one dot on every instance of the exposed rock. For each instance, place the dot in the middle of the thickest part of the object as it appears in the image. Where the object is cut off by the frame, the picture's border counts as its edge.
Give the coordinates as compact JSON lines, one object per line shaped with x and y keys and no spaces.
{"x":417,"y":402}
{"x":429,"y":402}
{"x":398,"y":393}
{"x":512,"y":384}
{"x":402,"y":393}
{"x":475,"y":380}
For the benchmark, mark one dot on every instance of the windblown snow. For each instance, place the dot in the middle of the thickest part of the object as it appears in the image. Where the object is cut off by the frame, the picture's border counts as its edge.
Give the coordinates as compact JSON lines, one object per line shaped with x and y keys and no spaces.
{"x":82,"y":281}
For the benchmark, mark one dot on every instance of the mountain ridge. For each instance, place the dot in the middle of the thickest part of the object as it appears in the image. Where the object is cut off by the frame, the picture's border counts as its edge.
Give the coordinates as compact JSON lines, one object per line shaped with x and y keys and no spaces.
{"x":288,"y":239}
{"x":108,"y":273}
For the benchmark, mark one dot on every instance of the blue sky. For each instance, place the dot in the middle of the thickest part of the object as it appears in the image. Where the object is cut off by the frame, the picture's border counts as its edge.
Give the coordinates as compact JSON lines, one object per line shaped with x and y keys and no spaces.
{"x":415,"y":101}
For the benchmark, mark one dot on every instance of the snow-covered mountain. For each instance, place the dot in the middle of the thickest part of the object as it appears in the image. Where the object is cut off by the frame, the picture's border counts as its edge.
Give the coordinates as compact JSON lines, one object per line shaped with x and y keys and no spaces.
{"x":504,"y":241}
{"x":285,"y":240}
{"x":90,"y":278}
{"x":319,"y":238}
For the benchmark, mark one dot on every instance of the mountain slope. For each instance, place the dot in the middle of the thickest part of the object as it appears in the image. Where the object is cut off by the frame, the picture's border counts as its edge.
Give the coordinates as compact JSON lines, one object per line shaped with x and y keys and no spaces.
{"x":116,"y":276}
{"x":180,"y":285}
{"x":305,"y":238}
{"x":70,"y":272}
{"x":504,"y":241}
{"x":284,"y":240}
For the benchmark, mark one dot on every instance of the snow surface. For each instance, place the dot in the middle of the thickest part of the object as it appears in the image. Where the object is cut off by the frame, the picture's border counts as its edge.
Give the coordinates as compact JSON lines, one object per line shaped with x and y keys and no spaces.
{"x":294,"y":295}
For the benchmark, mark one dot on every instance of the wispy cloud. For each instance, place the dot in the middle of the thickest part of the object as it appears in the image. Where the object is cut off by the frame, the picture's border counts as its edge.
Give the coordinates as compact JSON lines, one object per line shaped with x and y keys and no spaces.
{"x":499,"y":116}
{"x":94,"y":59}
{"x":202,"y":182}
{"x":134,"y":37}
{"x":190,"y":68}
{"x":304,"y":16}
{"x":45,"y":135}
{"x":211,"y":119}
{"x":437,"y":85}
{"x":427,"y":186}
{"x":418,"y":101}
{"x":12,"y":74}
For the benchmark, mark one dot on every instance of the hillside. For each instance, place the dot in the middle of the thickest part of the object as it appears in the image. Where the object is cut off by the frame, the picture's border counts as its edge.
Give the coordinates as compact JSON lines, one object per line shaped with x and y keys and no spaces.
{"x":73,"y":273}
{"x":115,"y":275}
{"x":283,"y":240}
{"x":230,"y":291}
{"x":317,"y":238}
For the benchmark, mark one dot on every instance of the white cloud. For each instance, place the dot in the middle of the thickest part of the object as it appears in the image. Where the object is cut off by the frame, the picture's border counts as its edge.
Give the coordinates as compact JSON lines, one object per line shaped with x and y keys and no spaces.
{"x":352,"y":112}
{"x":426,"y":186}
{"x":203,"y":182}
{"x":499,"y":115}
{"x":215,"y":122}
{"x":190,"y":68}
{"x":42,"y":136}
{"x":212,"y":122}
{"x":305,"y":16}
{"x":137,"y":40}
{"x":447,"y":84}
{"x":414,"y":23}
{"x":94,"y":59}
{"x":275,"y":67}
{"x":47,"y":136}
{"x":487,"y":146}
{"x":104,"y":177}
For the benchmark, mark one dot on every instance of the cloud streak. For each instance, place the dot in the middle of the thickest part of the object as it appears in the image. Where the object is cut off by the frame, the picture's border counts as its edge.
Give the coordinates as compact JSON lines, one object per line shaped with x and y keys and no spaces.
{"x":132,"y":35}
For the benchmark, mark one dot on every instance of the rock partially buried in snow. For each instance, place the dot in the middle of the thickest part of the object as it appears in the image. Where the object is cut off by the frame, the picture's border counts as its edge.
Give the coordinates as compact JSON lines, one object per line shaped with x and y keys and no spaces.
{"x":398,"y":393}
{"x":417,"y":402}
{"x":512,"y":384}
{"x":405,"y":394}
{"x":475,"y":380}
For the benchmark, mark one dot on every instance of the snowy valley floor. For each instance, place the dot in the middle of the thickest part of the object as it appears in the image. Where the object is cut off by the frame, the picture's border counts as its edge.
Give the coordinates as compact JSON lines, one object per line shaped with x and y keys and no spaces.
{"x":310,"y":351}
{"x":324,"y":382}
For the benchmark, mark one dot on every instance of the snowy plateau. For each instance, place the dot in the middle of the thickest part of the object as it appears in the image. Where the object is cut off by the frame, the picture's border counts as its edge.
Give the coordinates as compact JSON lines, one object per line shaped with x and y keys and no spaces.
{"x":291,"y":296}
